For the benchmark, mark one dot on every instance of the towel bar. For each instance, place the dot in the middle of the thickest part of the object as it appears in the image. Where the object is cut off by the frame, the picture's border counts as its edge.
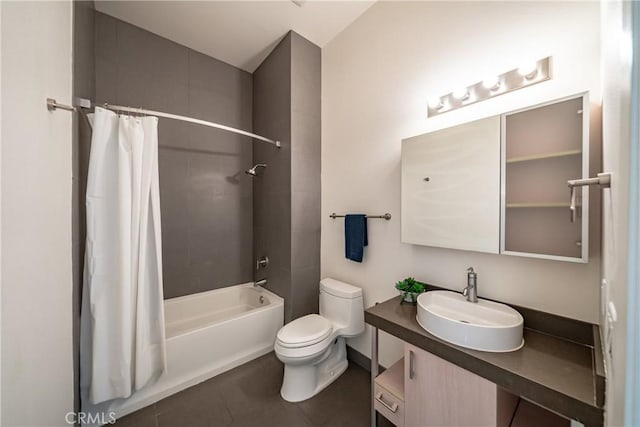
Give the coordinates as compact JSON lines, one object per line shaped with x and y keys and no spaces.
{"x":386,"y":216}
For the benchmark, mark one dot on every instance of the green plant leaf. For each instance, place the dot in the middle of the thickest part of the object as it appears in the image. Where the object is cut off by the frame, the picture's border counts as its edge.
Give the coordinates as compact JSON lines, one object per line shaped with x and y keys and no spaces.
{"x":402,"y":286}
{"x":417,"y":287}
{"x":410,"y":285}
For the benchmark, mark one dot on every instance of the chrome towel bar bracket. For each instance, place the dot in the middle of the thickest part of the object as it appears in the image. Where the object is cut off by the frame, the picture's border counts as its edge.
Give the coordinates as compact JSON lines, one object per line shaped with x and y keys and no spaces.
{"x":603,"y":179}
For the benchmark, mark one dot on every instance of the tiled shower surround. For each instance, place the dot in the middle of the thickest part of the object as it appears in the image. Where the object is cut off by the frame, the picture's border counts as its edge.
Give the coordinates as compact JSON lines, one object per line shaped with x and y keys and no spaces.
{"x":205,"y":197}
{"x":215,"y":218}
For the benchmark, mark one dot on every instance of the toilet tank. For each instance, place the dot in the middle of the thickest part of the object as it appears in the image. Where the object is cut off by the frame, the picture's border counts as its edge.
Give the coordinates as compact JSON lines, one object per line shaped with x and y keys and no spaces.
{"x":342,"y":304}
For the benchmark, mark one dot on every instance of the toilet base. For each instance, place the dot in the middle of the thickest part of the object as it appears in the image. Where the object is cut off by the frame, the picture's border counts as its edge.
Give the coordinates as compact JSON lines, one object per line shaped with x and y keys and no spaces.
{"x":302,"y":382}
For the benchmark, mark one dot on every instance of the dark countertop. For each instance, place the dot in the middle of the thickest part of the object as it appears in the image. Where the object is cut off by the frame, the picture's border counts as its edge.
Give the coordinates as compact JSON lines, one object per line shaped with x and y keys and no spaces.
{"x":561,"y":373}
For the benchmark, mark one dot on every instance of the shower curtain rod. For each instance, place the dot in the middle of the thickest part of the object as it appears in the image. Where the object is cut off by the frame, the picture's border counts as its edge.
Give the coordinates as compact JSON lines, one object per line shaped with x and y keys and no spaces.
{"x":86,"y":103}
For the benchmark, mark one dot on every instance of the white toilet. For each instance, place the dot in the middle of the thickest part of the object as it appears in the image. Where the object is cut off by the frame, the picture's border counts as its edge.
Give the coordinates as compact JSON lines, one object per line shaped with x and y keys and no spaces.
{"x":312,"y":347}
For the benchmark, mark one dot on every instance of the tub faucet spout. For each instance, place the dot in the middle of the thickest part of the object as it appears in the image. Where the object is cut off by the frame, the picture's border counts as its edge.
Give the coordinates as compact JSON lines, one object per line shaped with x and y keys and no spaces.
{"x":261,"y":282}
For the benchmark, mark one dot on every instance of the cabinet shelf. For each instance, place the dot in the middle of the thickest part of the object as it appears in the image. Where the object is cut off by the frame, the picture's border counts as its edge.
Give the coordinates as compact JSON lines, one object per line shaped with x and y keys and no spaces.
{"x":392,"y":379}
{"x":544,"y":156}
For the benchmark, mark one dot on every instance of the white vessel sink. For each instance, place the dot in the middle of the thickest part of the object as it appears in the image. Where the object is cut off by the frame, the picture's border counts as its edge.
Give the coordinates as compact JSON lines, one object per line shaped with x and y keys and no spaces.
{"x":485,"y":325}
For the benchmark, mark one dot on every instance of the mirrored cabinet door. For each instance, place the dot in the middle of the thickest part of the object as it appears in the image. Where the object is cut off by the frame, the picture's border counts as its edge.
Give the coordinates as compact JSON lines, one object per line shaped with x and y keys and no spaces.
{"x":542,"y":148}
{"x":451,"y":187}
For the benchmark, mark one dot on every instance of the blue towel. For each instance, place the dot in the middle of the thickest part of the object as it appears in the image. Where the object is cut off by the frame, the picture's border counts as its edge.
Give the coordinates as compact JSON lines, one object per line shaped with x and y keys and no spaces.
{"x":355,"y":236}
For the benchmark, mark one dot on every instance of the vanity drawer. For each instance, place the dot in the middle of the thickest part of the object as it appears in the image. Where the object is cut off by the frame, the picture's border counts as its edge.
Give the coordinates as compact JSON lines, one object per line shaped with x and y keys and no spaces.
{"x":389,"y":405}
{"x":388,"y":394}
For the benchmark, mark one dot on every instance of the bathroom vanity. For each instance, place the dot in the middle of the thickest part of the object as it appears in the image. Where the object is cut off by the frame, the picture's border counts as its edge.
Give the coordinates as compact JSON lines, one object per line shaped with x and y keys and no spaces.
{"x":559,"y":368}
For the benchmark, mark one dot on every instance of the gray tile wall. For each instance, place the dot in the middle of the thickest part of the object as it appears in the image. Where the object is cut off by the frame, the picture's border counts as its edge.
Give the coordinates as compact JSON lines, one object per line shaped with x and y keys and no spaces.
{"x":206,"y":199}
{"x":305,"y":175}
{"x":287,"y":197}
{"x":272,"y":190}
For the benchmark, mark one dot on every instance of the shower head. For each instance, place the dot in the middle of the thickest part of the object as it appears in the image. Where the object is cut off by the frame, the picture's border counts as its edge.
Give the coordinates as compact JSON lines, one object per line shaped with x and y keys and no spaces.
{"x":252,"y":171}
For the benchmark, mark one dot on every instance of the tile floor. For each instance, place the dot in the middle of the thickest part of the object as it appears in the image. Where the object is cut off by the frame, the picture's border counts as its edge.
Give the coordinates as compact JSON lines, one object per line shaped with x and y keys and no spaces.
{"x":249,"y":395}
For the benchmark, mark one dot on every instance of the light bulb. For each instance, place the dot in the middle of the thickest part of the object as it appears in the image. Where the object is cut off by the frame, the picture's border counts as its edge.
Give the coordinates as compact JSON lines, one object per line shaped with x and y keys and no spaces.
{"x":461,"y":93}
{"x":491,"y":82}
{"x":435,"y":103}
{"x":528,"y":69}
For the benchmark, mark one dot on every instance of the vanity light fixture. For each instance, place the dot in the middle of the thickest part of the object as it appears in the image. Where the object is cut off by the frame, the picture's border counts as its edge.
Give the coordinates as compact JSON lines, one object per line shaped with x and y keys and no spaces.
{"x":461,"y":93}
{"x":436,"y":103}
{"x":491,"y":82}
{"x":528,"y":69}
{"x":529,"y":73}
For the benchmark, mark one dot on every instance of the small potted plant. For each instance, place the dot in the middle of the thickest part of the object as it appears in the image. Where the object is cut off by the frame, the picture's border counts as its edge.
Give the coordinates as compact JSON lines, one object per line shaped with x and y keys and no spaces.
{"x":409,"y":288}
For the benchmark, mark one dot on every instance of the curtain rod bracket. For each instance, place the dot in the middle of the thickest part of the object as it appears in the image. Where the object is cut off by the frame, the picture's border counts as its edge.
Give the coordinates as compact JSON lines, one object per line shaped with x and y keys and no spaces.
{"x":82,"y":103}
{"x":52,"y":105}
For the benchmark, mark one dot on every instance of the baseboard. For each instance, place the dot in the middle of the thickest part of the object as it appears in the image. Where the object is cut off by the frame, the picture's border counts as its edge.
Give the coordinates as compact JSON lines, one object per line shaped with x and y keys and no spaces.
{"x":361,"y":360}
{"x":358,"y":358}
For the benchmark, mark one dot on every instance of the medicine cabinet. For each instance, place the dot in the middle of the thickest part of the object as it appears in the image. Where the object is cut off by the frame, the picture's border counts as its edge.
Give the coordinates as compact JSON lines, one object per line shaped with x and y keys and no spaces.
{"x":499,"y":185}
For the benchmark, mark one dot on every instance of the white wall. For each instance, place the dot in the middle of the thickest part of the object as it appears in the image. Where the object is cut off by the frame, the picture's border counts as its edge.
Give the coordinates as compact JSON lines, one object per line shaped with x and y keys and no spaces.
{"x":37,"y":369}
{"x":616,"y":97}
{"x":377,"y":76}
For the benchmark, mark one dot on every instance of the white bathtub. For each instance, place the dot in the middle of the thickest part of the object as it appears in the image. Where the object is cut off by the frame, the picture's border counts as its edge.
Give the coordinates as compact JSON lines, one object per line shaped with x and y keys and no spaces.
{"x":207,"y":334}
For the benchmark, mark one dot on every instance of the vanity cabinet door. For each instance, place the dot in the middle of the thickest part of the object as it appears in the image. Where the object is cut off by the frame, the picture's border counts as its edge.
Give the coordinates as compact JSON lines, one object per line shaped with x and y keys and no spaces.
{"x":543,"y":148}
{"x":451,"y":187}
{"x":439,"y":393}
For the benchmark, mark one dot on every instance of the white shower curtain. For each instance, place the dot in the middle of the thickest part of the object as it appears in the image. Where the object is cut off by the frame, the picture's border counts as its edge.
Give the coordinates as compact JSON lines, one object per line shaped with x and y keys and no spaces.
{"x":122,"y":343}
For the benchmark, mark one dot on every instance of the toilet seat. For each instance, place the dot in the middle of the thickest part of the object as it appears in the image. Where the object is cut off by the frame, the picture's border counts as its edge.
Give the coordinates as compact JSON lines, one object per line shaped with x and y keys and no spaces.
{"x":304,"y":331}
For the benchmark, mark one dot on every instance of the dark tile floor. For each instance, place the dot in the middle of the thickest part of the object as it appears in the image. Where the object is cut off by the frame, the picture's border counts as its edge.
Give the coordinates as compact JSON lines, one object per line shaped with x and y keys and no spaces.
{"x":249,"y":395}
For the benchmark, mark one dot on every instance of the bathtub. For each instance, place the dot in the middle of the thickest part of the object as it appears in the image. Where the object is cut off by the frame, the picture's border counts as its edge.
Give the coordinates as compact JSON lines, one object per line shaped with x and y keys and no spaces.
{"x":207,"y":333}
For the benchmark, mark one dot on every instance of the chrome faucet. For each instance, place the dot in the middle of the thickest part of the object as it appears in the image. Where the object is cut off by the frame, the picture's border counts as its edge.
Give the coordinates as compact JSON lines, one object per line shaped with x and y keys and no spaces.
{"x":471,"y":291}
{"x":261,"y":282}
{"x":262,"y":262}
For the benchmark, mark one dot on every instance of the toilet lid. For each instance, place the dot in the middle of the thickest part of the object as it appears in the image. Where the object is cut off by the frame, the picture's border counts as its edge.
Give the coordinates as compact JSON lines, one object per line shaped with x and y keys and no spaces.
{"x":304,"y":331}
